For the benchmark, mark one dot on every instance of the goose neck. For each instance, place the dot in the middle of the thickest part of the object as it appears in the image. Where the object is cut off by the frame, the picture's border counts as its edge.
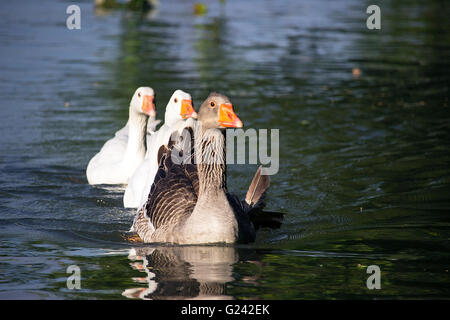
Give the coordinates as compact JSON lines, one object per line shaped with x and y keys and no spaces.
{"x":137,"y":136}
{"x":210,"y":156}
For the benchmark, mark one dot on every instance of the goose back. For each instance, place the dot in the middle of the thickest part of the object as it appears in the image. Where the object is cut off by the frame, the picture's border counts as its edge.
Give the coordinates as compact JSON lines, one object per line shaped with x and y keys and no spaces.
{"x":171,"y":200}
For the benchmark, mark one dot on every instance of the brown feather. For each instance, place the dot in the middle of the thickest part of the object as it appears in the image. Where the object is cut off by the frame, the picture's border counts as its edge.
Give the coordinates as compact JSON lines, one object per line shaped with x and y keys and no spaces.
{"x":257,"y":188}
{"x":162,"y":150}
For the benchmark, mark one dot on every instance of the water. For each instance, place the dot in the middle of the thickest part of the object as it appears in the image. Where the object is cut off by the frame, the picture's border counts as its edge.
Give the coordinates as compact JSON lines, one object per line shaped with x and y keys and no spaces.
{"x":364,"y":173}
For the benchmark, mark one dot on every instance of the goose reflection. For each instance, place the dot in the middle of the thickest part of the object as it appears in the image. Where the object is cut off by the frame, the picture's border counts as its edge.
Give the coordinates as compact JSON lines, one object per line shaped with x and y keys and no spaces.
{"x":182,"y":272}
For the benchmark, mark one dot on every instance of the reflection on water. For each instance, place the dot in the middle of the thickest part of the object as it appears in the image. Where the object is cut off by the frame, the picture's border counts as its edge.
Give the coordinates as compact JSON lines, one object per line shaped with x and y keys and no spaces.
{"x":182,"y":272}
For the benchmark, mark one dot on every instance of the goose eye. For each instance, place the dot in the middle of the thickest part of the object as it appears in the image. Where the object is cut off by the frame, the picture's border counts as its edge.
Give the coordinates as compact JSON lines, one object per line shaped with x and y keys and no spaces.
{"x":175,"y":100}
{"x":139,"y":94}
{"x":212,"y":104}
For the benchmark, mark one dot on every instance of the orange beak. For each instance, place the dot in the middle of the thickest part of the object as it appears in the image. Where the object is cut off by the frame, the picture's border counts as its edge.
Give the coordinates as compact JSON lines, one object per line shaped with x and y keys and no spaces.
{"x":227,"y":117}
{"x":187,"y":110}
{"x":148,"y":107}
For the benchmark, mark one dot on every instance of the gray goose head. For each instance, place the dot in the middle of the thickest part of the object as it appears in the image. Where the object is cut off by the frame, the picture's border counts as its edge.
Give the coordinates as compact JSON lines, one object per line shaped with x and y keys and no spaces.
{"x":217,"y":112}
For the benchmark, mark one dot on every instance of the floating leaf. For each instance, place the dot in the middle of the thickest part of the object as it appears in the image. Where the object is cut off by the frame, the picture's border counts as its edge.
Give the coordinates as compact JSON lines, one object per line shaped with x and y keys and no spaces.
{"x":356,"y":72}
{"x":304,"y":122}
{"x":200,"y":9}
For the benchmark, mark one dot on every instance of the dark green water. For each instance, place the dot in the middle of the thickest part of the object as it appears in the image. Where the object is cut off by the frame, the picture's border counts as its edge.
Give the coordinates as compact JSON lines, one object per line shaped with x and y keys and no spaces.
{"x":364,"y":173}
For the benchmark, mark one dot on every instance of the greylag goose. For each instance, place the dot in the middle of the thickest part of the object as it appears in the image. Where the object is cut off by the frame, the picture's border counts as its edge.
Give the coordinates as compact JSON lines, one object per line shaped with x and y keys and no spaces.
{"x":188,"y":203}
{"x":178,"y":110}
{"x":120,"y":156}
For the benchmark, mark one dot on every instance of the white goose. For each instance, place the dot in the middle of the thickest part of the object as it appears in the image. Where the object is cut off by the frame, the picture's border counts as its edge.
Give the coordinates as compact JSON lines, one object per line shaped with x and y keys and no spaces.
{"x":120,"y":156}
{"x":178,"y":109}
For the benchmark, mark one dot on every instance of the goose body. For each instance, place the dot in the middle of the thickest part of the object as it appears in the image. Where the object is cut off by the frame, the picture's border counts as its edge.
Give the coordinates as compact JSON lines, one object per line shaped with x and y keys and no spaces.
{"x":178,"y":115}
{"x":121,"y":155}
{"x":188,"y":203}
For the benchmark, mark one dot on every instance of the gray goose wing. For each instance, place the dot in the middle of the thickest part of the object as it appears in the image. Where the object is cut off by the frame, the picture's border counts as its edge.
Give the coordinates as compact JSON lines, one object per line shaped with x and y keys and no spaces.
{"x":173,"y":195}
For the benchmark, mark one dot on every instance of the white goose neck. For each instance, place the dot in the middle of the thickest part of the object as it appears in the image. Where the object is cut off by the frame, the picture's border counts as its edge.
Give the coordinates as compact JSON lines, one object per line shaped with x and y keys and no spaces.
{"x":170,"y":117}
{"x":137,"y":137}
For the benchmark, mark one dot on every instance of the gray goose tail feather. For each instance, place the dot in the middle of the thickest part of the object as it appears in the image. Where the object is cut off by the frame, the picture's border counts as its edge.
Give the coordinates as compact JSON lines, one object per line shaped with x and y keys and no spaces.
{"x":254,"y":201}
{"x":257,"y":189}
